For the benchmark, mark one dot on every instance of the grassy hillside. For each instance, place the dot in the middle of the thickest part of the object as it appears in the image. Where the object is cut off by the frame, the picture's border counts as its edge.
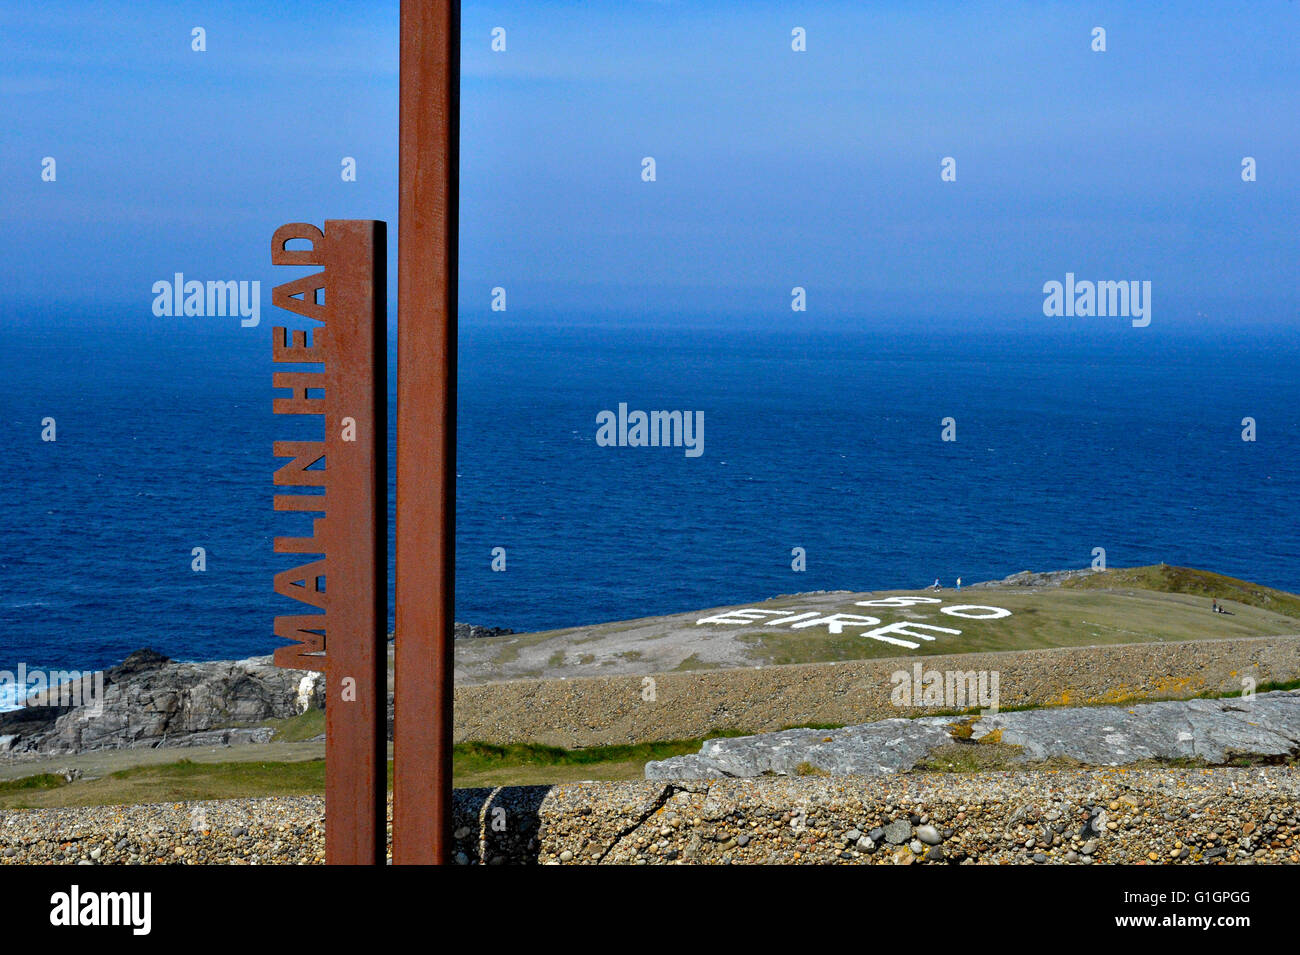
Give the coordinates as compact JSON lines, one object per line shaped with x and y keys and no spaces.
{"x":1047,"y":618}
{"x":1135,"y":605}
{"x":1166,"y":579}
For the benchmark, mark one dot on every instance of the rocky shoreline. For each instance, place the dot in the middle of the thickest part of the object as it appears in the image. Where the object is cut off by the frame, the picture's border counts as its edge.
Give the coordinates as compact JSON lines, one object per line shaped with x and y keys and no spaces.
{"x":150,"y":701}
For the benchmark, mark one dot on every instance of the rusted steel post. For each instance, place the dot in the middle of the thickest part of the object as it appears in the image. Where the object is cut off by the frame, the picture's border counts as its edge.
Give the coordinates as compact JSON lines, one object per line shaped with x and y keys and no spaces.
{"x":356,"y":563}
{"x":426,"y":428}
{"x":347,"y":642}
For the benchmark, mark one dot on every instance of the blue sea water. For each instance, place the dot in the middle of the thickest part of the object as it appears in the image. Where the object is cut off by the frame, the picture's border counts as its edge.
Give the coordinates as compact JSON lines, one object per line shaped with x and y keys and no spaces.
{"x":1069,"y":437}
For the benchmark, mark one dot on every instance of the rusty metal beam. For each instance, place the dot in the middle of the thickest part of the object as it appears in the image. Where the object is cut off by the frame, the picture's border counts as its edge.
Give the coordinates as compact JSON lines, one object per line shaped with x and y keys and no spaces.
{"x":352,"y":535}
{"x":356,"y":534}
{"x":426,"y":428}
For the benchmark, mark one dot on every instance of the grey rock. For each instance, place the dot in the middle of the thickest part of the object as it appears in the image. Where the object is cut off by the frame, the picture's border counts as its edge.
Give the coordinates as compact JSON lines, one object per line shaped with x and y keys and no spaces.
{"x":1210,"y":730}
{"x":888,"y":746}
{"x":469,"y":631}
{"x":691,"y":766}
{"x":1185,"y":729}
{"x":898,"y":832}
{"x":1028,"y":578}
{"x":152,"y":701}
{"x":929,"y":835}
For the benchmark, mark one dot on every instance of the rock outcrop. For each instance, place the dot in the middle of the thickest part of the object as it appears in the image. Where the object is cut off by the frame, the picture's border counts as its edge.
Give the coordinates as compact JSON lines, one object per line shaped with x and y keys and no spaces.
{"x":1210,"y":731}
{"x":151,"y":701}
{"x":471,"y":631}
{"x":1029,"y":578}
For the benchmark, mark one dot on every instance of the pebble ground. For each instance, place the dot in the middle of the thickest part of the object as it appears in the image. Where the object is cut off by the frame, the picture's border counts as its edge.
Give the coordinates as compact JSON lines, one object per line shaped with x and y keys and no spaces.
{"x":1078,"y":817}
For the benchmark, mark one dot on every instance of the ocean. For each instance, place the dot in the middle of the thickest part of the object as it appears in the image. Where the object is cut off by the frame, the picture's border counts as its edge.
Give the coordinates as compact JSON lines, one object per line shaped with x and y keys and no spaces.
{"x":1070,"y":435}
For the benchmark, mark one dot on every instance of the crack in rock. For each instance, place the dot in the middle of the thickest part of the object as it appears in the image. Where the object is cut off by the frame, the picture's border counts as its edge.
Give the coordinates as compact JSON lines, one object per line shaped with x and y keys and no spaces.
{"x":665,"y":793}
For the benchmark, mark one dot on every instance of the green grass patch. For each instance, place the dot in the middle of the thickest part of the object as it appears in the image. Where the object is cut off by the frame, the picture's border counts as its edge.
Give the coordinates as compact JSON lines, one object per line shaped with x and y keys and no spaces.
{"x":305,"y":771}
{"x":297,"y":729}
{"x":1167,"y":579}
{"x":1142,"y":605}
{"x":40,"y":782}
{"x":693,"y":662}
{"x":475,"y":757}
{"x":182,"y":781}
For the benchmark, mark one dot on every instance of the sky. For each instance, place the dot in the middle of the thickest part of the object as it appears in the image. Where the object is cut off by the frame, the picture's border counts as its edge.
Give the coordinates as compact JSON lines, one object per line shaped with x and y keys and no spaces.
{"x":774,"y":168}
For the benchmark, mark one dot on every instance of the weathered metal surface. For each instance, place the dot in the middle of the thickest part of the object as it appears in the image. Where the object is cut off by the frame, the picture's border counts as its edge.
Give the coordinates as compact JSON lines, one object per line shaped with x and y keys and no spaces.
{"x":347,"y":640}
{"x":426,"y":428}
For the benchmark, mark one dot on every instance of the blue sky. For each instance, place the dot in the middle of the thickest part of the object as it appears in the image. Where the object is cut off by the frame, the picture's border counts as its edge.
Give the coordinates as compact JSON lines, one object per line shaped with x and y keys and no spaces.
{"x":775,"y":168}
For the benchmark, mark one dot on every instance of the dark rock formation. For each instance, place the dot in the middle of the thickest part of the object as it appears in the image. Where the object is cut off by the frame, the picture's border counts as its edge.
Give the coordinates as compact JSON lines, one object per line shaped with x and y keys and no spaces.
{"x":149,"y":701}
{"x":470,"y":631}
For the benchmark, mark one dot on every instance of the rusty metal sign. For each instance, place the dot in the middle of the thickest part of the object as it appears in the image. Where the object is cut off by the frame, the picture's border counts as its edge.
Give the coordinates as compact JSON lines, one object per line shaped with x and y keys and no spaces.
{"x":342,"y":573}
{"x":344,"y":582}
{"x":426,"y":429}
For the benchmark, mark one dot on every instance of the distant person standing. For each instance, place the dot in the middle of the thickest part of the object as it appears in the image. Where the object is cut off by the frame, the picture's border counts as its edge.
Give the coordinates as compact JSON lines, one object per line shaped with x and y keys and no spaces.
{"x":959,"y":583}
{"x":935,"y":585}
{"x":1215,"y":605}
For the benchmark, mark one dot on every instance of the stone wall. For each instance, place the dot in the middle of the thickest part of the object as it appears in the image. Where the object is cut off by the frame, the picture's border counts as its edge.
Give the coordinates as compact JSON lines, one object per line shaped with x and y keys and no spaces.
{"x":1081,"y":817}
{"x":1076,"y":817}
